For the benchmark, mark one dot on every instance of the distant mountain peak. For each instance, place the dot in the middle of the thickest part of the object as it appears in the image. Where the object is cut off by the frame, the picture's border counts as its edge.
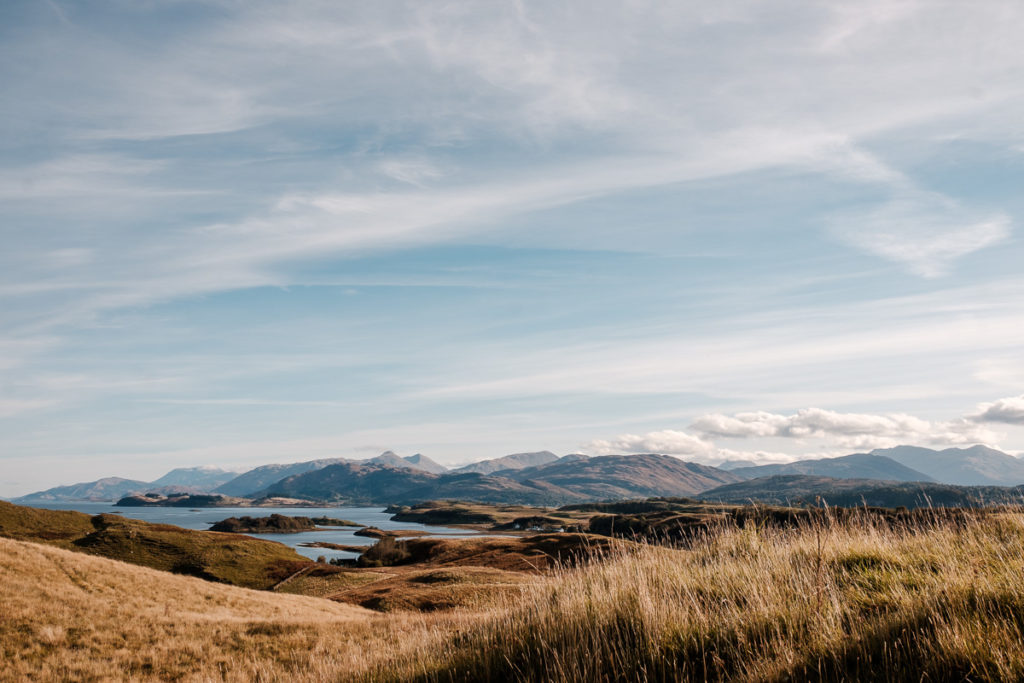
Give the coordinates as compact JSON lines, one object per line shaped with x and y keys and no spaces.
{"x":515,"y":461}
{"x":204,"y":478}
{"x":976,"y":465}
{"x":413,"y":462}
{"x":856,"y":466}
{"x":554,"y":481}
{"x":108,"y":488}
{"x":422,"y":462}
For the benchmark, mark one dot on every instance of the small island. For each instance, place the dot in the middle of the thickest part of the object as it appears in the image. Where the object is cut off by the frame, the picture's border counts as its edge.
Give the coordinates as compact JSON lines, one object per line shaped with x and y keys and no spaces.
{"x":184,"y":500}
{"x":277,"y":524}
{"x":210,"y":500}
{"x":374,"y":532}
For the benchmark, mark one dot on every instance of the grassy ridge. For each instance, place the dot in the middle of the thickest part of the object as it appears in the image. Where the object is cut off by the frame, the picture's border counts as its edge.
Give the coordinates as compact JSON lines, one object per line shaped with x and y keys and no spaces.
{"x":58,"y":527}
{"x":828,"y":603}
{"x":71,"y":617}
{"x":223,"y":557}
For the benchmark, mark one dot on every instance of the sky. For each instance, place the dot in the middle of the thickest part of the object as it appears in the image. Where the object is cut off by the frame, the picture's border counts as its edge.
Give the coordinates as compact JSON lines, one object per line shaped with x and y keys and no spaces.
{"x":236,"y":233}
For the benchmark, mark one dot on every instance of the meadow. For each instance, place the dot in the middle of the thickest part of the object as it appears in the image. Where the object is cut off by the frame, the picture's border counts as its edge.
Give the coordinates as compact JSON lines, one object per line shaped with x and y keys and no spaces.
{"x":829,"y":600}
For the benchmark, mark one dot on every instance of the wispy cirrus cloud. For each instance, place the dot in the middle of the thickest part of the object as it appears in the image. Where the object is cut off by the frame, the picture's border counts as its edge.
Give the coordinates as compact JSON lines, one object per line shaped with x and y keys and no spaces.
{"x":170,"y":188}
{"x":925,"y":232}
{"x":11,"y":407}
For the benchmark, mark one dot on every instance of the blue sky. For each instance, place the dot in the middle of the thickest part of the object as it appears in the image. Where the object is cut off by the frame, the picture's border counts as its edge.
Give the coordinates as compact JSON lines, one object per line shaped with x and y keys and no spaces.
{"x":241,"y":233}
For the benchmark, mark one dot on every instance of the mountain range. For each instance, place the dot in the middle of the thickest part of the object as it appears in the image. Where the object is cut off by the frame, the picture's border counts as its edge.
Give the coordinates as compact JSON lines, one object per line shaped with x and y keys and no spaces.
{"x":856,"y":466}
{"x":108,"y":488}
{"x":265,"y":475}
{"x":190,"y":479}
{"x":516,"y":461}
{"x":569,"y":479}
{"x":974,"y":466}
{"x":544,"y":478}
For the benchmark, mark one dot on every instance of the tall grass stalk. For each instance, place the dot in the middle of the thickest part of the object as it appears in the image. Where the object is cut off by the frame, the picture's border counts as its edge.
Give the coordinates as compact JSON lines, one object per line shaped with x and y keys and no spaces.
{"x":828,"y":601}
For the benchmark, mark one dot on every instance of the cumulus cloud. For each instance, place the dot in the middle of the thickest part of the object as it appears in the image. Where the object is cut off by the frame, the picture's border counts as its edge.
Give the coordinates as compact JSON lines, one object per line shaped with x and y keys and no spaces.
{"x":1006,"y":410}
{"x":809,"y":422}
{"x":664,"y":441}
{"x":848,"y":430}
{"x":833,"y":433}
{"x":681,"y":444}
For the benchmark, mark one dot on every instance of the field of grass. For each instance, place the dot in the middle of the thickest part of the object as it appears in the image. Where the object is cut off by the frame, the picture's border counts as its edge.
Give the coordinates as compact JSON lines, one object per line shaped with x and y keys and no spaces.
{"x":830,"y":603}
{"x":828,"y":600}
{"x":72,"y":617}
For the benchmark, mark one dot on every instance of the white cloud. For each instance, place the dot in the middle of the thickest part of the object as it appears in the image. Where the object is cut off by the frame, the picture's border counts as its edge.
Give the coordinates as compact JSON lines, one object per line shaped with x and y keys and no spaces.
{"x":666,"y":441}
{"x":848,"y":430}
{"x":1006,"y":410}
{"x":809,"y":422}
{"x":923,"y":231}
{"x":686,"y":446}
{"x":831,"y":433}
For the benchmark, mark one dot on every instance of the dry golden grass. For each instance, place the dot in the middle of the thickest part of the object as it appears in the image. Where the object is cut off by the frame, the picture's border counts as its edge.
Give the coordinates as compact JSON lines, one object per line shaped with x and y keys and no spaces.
{"x":445,"y":588}
{"x":830,"y":603}
{"x":839,"y":602}
{"x":72,"y":617}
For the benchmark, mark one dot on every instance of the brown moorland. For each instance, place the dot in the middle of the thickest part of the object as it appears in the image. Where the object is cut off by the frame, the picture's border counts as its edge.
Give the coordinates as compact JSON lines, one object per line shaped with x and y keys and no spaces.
{"x":73,"y":617}
{"x":827,"y":597}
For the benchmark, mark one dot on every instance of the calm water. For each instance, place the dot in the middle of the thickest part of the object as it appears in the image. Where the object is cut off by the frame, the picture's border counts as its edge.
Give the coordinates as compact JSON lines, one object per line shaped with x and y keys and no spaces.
{"x":202,"y":519}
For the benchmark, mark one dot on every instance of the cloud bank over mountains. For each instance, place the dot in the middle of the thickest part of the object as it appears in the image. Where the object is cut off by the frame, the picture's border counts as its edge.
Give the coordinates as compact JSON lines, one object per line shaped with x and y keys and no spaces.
{"x":1005,"y":410}
{"x":830,"y":432}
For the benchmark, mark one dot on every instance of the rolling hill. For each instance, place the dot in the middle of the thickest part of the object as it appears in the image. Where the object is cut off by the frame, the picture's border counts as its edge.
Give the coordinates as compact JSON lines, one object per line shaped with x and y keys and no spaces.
{"x":352,"y":483}
{"x":797,"y":489}
{"x":197,"y":478}
{"x":856,"y":466}
{"x":109,"y":488}
{"x":567,"y":480}
{"x":73,"y":617}
{"x":226,"y":558}
{"x":627,"y":476}
{"x":192,"y":479}
{"x":516,"y":461}
{"x":261,"y":477}
{"x":492,"y":489}
{"x":974,"y":466}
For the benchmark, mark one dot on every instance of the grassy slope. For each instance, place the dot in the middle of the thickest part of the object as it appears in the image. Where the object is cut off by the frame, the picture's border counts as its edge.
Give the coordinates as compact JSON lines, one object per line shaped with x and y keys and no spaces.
{"x":59,"y":527}
{"x":68,"y":616}
{"x":228,"y":558}
{"x":831,"y":604}
{"x":849,"y":601}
